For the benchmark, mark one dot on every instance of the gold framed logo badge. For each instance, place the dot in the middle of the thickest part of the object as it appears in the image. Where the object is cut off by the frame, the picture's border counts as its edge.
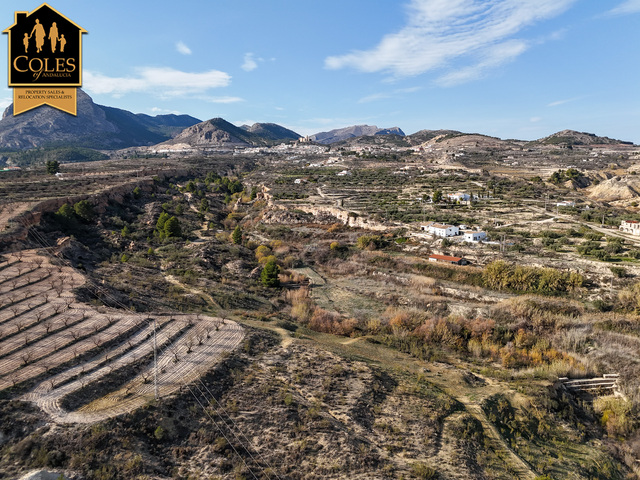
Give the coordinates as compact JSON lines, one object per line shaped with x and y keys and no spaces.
{"x":45,"y":60}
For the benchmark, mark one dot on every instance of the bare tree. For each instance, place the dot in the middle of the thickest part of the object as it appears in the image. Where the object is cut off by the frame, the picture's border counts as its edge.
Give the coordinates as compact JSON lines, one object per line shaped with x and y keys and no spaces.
{"x":26,"y":358}
{"x":39,"y":261}
{"x":200,"y":336}
{"x":48,"y":325}
{"x":57,"y":308}
{"x":75,"y":334}
{"x":190,"y":341}
{"x":26,"y":339}
{"x":208,"y":328}
{"x":174,"y":351}
{"x":20,"y":324}
{"x":59,"y":290}
{"x":14,"y":309}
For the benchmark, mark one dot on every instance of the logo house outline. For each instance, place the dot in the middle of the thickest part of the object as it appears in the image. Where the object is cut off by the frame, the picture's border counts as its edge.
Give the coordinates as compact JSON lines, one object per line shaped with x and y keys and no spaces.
{"x":45,"y":50}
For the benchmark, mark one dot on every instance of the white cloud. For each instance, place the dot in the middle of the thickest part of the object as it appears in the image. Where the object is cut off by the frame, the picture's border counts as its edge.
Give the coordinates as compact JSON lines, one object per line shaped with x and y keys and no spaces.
{"x":7,"y":97}
{"x":563,"y":101}
{"x":163,"y":111}
{"x":629,"y":6}
{"x":374,"y":97}
{"x":163,"y":81}
{"x":182,"y":48}
{"x":475,"y":32}
{"x":249,"y":63}
{"x":226,"y":99}
{"x":535,"y":119}
{"x":493,"y":57}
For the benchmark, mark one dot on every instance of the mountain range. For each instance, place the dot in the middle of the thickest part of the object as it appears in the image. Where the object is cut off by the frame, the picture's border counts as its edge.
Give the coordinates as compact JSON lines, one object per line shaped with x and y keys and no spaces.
{"x":340,"y":134}
{"x":95,"y":126}
{"x":107,"y":128}
{"x":217,"y":132}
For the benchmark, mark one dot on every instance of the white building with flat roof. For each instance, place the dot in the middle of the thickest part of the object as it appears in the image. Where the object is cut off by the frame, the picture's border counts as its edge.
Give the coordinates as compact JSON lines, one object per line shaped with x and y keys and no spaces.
{"x":474,"y":236}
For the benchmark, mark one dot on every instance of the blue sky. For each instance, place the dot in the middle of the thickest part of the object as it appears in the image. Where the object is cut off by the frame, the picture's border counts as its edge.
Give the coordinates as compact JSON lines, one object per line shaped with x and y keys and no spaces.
{"x":509,"y":68}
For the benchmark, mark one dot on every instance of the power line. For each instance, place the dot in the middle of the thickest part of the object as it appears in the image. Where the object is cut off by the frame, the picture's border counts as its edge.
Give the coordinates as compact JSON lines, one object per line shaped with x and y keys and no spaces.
{"x":222,"y":432}
{"x":235,"y":425}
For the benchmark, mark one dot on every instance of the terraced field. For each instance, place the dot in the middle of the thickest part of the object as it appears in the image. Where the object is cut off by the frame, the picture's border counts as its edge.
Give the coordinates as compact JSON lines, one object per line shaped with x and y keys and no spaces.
{"x":56,"y":351}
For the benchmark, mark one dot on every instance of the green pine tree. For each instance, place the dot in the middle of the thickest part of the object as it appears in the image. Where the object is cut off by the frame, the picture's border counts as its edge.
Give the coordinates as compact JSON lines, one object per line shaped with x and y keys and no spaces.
{"x":236,"y":236}
{"x":269,"y":275}
{"x":172,"y":228}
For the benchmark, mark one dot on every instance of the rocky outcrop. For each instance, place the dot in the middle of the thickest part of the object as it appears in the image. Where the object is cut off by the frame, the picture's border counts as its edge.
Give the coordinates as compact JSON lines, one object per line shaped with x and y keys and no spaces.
{"x":616,"y":189}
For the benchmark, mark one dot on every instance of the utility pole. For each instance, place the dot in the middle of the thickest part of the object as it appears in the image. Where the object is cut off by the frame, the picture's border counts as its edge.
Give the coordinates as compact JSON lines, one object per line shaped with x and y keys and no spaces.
{"x":155,"y":362}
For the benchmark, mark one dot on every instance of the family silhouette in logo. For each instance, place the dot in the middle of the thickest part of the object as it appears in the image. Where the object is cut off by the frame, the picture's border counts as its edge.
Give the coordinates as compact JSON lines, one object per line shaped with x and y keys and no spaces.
{"x":41,"y":34}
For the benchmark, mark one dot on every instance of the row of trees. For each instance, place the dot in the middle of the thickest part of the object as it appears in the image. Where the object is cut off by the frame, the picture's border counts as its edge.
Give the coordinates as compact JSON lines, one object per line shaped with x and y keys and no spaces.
{"x":500,"y":275}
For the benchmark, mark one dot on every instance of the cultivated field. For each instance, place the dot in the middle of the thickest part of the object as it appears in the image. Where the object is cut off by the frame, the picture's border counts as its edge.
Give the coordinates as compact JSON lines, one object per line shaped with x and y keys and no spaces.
{"x":60,"y":352}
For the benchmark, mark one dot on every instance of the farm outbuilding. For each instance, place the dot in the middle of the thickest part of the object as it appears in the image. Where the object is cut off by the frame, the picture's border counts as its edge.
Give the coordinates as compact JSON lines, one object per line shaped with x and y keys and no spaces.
{"x":448,"y":259}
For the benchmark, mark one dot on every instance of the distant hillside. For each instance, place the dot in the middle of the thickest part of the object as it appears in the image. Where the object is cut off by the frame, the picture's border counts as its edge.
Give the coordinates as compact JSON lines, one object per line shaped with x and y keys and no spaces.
{"x":271,"y":131}
{"x":340,"y":134}
{"x":95,"y":126}
{"x":423,"y":136}
{"x":219,"y":132}
{"x":571,"y":138}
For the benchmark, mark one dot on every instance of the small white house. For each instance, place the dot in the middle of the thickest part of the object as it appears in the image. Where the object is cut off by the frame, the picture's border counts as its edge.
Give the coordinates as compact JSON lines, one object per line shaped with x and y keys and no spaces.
{"x":440,"y":230}
{"x":458,"y":197}
{"x":630,"y":226}
{"x":474,"y":236}
{"x":343,"y":173}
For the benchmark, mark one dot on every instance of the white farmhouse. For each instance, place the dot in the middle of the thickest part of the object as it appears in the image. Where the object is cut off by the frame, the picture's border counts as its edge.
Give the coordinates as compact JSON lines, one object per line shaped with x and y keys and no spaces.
{"x":440,"y":230}
{"x":474,"y":236}
{"x":458,"y":197}
{"x":630,"y":226}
